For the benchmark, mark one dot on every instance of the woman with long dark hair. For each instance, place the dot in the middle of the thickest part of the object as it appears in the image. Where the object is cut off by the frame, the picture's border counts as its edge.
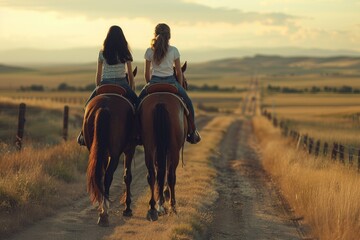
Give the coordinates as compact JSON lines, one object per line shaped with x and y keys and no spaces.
{"x":114,"y":66}
{"x":160,"y":59}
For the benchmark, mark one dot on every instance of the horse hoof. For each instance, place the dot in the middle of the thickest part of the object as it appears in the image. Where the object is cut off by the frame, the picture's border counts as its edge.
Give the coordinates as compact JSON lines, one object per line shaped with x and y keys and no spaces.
{"x":173,"y":210}
{"x":103,"y":221}
{"x":152,"y":215}
{"x":161,"y":210}
{"x":127,"y":213}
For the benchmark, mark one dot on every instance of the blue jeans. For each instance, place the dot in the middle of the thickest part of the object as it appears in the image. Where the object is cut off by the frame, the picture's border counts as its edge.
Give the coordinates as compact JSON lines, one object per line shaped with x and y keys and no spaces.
{"x":171,"y":80}
{"x":130,"y":94}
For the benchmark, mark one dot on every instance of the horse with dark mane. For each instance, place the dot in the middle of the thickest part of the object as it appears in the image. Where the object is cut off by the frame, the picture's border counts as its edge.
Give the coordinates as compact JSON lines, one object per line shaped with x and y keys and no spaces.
{"x":164,"y":126}
{"x":108,"y":130}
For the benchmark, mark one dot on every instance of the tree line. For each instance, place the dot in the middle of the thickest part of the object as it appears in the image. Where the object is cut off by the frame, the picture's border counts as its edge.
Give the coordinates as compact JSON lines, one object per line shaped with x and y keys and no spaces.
{"x":68,"y":88}
{"x":343,"y":89}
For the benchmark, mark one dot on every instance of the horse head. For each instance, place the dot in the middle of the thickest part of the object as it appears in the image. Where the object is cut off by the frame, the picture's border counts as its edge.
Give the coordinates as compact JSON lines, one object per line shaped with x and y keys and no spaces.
{"x":135,"y":71}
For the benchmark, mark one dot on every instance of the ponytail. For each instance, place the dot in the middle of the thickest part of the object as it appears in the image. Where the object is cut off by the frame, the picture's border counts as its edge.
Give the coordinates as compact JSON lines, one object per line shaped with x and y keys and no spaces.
{"x":160,"y":43}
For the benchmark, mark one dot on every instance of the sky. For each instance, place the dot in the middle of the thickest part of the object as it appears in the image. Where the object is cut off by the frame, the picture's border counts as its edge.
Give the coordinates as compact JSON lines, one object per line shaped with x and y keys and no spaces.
{"x":195,"y":24}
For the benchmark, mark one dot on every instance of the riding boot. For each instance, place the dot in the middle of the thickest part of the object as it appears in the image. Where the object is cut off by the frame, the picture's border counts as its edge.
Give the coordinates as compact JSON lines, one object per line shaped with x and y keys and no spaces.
{"x":80,"y":139}
{"x":193,"y":136}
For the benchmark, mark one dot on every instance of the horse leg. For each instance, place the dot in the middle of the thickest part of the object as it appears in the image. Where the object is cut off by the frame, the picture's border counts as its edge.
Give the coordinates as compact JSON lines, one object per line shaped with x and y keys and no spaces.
{"x":152,"y":214}
{"x":172,"y":182}
{"x":127,"y":179}
{"x":104,"y":206}
{"x":103,"y":220}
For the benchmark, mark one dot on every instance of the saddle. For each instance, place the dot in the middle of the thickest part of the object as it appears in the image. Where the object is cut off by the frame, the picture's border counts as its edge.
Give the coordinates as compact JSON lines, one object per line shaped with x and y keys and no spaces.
{"x":111,"y":88}
{"x":162,"y":87}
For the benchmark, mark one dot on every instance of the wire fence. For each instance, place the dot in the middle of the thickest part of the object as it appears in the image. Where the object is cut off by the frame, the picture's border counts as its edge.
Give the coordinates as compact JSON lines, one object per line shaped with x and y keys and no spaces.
{"x":337,"y":151}
{"x":15,"y":118}
{"x":65,"y":100}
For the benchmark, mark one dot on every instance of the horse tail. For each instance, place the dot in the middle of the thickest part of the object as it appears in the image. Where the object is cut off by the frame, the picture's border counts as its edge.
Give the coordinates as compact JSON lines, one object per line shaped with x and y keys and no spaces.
{"x":98,"y":155}
{"x":161,"y":126}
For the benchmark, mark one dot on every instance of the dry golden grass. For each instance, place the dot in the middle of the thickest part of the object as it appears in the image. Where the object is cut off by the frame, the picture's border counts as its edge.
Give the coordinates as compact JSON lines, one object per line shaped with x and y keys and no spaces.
{"x":33,"y":183}
{"x":328,"y":117}
{"x":309,"y":100}
{"x":326,"y":193}
{"x":194,"y":192}
{"x":310,"y":80}
{"x":217,"y":101}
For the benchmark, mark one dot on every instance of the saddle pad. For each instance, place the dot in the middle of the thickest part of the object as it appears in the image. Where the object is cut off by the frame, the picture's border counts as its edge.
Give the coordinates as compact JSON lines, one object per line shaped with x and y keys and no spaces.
{"x":110,"y":88}
{"x":162,"y":87}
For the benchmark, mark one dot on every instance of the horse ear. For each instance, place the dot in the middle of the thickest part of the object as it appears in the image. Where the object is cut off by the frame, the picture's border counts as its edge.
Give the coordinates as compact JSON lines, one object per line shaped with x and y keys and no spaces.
{"x":135,"y":71}
{"x":184,"y":66}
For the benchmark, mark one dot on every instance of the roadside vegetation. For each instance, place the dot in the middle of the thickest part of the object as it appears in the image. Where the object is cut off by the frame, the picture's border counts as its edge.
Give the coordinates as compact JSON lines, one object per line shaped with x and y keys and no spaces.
{"x":325,"y":193}
{"x":36,"y":182}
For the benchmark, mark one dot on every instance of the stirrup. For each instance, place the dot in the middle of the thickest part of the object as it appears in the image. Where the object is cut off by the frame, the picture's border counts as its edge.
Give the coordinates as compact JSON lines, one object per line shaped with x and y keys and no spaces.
{"x":193,"y":137}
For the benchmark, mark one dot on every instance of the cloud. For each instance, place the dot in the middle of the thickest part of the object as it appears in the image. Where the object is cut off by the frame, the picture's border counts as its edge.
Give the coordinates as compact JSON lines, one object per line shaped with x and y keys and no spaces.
{"x":172,"y":11}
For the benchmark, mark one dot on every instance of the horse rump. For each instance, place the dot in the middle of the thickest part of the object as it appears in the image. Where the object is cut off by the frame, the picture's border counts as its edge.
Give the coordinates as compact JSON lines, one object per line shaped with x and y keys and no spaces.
{"x":98,"y":155}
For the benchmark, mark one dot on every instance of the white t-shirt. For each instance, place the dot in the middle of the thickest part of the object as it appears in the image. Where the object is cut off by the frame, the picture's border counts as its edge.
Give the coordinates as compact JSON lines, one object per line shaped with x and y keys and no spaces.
{"x":165,"y":68}
{"x":111,"y":71}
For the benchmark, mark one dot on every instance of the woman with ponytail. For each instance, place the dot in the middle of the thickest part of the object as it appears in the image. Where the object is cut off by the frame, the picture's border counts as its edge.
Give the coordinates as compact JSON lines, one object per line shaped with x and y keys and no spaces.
{"x":160,"y":59}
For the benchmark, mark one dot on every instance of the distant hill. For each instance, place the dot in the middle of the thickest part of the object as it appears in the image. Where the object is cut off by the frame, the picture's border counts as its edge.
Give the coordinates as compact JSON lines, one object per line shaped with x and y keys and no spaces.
{"x":259,"y":64}
{"x":278,"y":65}
{"x":90,"y":54}
{"x":13,"y":69}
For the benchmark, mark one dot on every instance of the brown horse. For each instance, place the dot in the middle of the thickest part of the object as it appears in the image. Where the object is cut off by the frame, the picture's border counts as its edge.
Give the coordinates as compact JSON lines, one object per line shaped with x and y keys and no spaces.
{"x":108,"y":129}
{"x":164,"y":126}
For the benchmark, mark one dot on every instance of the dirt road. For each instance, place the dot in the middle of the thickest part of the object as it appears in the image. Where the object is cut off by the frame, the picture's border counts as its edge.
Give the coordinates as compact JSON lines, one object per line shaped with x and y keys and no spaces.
{"x":248,"y":206}
{"x":78,"y":221}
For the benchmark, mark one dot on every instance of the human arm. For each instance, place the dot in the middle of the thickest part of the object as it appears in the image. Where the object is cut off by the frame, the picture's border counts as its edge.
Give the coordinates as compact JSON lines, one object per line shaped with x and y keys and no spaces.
{"x":98,"y":73}
{"x":179,"y":75}
{"x":147,"y":71}
{"x":130,"y":75}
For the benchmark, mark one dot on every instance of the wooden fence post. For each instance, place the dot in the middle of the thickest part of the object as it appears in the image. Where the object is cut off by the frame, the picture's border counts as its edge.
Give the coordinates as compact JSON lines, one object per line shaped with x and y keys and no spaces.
{"x":359,"y":160}
{"x":317,"y":148}
{"x":305,"y":142}
{"x":66,"y":123}
{"x":334,"y":151}
{"x":325,"y":150}
{"x":342,"y":153}
{"x":281,"y":124}
{"x":311,"y":143}
{"x":286,"y":130}
{"x":351,"y":155}
{"x":21,"y":125}
{"x":275,"y":122}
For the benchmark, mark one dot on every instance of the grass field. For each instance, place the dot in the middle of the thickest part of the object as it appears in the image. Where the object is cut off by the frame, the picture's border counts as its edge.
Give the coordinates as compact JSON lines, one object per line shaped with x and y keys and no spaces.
{"x":35,"y":182}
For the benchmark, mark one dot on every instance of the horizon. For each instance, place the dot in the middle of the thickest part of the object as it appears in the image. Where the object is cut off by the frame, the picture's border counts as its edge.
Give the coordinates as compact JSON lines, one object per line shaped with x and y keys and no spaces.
{"x":87,"y":55}
{"x":196,"y":25}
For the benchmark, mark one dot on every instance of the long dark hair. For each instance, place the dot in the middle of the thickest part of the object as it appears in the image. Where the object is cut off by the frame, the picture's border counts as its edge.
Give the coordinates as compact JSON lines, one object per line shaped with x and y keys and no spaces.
{"x":160,"y":43}
{"x":116,"y":48}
